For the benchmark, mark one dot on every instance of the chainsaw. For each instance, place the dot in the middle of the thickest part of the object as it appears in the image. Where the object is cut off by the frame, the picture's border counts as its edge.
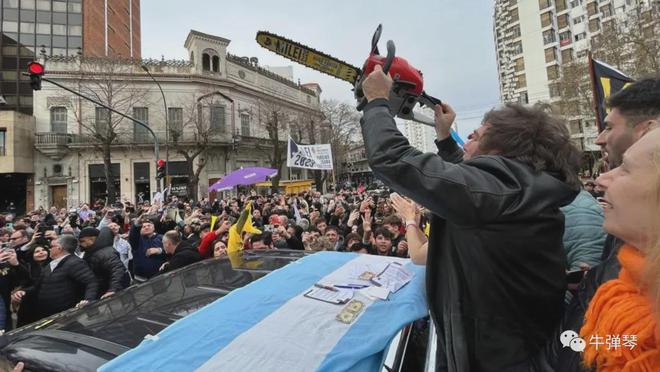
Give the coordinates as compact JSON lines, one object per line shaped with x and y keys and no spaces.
{"x":407,"y":82}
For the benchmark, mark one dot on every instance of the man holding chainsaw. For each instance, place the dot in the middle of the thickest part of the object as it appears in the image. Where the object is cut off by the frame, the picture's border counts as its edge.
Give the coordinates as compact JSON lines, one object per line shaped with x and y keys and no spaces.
{"x":495,"y":265}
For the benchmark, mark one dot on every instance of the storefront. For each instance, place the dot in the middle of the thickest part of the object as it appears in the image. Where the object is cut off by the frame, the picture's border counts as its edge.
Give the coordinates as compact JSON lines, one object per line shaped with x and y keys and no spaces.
{"x":97,"y":182}
{"x":142,"y":182}
{"x":178,"y":178}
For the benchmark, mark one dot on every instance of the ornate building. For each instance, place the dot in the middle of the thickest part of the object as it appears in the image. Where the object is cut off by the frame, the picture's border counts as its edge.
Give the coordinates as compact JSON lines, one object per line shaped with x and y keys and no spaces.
{"x":214,"y":99}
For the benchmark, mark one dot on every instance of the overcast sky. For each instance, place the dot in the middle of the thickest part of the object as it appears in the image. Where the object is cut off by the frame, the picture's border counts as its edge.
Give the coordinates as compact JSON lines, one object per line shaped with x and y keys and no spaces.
{"x":450,"y":41}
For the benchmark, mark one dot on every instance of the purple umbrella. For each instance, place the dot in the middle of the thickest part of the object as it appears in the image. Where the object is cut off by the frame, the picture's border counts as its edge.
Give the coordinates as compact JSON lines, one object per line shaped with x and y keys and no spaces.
{"x":243,"y":176}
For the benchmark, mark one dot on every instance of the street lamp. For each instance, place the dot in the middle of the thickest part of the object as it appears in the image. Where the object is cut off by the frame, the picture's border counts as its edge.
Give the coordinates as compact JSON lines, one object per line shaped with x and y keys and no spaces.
{"x":167,"y":126}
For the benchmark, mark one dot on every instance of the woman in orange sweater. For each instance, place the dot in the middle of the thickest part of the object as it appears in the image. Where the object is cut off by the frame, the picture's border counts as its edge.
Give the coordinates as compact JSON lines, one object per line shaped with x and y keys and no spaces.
{"x":628,"y":307}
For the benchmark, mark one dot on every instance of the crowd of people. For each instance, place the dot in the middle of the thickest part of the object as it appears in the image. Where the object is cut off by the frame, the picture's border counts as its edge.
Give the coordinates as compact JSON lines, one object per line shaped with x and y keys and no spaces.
{"x":518,"y":250}
{"x":56,"y":259}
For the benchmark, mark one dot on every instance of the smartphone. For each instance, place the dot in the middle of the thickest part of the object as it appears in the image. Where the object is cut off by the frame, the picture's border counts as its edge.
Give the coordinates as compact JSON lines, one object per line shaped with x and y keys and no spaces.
{"x":268,"y":228}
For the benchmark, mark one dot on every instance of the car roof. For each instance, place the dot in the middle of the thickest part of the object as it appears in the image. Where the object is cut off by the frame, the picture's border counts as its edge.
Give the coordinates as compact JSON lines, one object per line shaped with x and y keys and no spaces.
{"x":110,"y":327}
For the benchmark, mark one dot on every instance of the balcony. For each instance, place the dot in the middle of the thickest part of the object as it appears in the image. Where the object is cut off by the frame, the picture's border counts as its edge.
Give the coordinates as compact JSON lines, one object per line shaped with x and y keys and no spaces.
{"x":131,"y":139}
{"x":53,"y":145}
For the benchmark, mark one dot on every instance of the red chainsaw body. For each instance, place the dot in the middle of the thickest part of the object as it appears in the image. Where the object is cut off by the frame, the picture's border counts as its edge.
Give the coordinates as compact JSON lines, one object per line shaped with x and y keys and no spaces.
{"x":400,"y":70}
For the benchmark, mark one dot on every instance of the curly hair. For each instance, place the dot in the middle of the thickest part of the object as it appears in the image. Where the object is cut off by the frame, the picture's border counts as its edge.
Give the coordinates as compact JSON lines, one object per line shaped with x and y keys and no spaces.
{"x":639,"y":101}
{"x":530,"y":135}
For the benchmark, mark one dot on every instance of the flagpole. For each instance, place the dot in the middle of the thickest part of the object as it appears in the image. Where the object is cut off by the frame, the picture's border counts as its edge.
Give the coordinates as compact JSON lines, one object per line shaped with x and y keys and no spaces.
{"x":592,"y":75}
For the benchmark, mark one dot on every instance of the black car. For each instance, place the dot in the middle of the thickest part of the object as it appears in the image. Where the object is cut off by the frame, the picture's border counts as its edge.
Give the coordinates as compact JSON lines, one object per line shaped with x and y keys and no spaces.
{"x":84,"y":339}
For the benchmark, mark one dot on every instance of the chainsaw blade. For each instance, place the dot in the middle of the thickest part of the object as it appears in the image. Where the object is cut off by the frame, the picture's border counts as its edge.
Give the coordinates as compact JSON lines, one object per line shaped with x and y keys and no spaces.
{"x":308,"y":57}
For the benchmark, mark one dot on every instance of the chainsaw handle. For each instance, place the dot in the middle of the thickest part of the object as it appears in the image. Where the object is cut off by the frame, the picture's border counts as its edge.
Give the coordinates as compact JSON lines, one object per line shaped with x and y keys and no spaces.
{"x":391,"y":50}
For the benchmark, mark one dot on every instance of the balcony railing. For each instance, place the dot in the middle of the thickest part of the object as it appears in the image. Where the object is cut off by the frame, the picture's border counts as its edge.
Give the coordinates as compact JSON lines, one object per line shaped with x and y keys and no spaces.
{"x":53,"y":139}
{"x":140,"y":138}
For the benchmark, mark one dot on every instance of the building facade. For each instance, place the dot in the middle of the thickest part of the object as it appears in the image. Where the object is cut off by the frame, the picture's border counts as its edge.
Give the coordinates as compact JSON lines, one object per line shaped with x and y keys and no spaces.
{"x":534,"y":38}
{"x":229,"y":99}
{"x":111,"y":28}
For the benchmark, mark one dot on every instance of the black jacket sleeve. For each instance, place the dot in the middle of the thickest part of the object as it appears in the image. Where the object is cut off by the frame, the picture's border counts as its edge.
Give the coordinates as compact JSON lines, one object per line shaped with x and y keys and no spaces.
{"x":134,"y":237}
{"x":79,"y":272}
{"x":294,"y":243}
{"x":181,"y":259}
{"x":469,"y":193}
{"x":117,"y":272}
{"x":449,"y":151}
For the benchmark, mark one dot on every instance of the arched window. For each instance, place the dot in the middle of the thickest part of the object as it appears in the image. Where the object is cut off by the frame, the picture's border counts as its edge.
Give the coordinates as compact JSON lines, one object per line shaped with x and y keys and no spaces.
{"x":216,"y":64}
{"x":58,"y":119}
{"x":206,"y":62}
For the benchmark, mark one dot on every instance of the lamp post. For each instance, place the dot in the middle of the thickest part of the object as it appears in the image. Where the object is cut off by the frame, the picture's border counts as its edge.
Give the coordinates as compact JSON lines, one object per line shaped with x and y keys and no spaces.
{"x":167,"y":126}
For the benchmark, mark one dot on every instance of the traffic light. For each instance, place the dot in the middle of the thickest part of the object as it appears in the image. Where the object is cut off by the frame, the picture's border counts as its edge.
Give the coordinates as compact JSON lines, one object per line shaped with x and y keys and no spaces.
{"x":36,"y":71}
{"x":160,"y":169}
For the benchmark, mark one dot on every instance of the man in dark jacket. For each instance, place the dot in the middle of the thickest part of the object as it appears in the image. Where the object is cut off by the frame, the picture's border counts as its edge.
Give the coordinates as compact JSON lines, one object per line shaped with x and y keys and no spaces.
{"x":104,"y":260}
{"x":147,"y":249}
{"x":64,"y":283}
{"x":495,"y":267}
{"x":181,"y":252}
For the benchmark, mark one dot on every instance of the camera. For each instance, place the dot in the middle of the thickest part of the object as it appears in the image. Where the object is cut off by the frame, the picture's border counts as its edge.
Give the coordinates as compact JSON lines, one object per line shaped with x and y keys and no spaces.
{"x":73,"y":220}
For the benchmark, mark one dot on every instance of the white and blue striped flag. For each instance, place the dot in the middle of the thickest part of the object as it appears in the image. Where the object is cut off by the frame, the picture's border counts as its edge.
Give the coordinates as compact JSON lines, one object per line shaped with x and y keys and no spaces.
{"x":269,"y":325}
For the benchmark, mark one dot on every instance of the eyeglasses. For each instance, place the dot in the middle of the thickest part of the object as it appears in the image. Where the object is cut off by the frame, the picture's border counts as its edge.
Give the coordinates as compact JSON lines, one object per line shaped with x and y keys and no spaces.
{"x":12,"y":239}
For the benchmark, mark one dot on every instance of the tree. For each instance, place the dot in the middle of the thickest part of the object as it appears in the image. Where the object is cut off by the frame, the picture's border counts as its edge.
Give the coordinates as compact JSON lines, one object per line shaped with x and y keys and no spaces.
{"x":275,"y":120}
{"x":311,"y":127}
{"x":109,"y":81}
{"x":191,"y":136}
{"x":343,"y":130}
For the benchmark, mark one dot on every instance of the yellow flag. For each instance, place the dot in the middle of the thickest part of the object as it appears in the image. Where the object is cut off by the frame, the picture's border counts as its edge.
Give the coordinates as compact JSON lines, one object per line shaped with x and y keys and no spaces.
{"x":244,"y":224}
{"x":214,"y":219}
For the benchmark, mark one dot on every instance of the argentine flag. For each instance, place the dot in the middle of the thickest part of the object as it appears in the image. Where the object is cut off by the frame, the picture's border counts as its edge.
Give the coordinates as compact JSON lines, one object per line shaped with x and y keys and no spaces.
{"x":269,"y":325}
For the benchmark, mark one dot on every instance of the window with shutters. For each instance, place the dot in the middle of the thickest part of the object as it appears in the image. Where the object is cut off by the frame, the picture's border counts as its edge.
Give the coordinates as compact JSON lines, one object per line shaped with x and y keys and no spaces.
{"x":549,"y":36}
{"x":565,"y":38}
{"x":58,"y":119}
{"x":606,"y":10}
{"x":594,"y":25}
{"x":554,"y":90}
{"x":516,"y":48}
{"x":521,"y":81}
{"x":140,"y":133}
{"x":519,"y":64}
{"x":217,"y":118}
{"x":574,"y":126}
{"x":102,"y":122}
{"x":515,"y":31}
{"x":514,"y":15}
{"x":562,"y":21}
{"x":546,"y":19}
{"x":567,"y":55}
{"x":245,"y":125}
{"x":544,"y":4}
{"x":550,"y":55}
{"x":175,"y":122}
{"x":592,"y":8}
{"x":560,"y":5}
{"x":553,"y":72}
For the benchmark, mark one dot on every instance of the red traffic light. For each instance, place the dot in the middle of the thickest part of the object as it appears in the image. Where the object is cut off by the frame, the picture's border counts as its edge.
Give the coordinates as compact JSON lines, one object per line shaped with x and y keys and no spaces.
{"x":36,"y":68}
{"x":160,"y":163}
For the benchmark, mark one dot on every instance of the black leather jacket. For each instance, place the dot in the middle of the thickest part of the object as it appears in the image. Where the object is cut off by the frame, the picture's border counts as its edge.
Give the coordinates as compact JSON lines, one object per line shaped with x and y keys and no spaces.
{"x":495,"y":266}
{"x":104,"y":261}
